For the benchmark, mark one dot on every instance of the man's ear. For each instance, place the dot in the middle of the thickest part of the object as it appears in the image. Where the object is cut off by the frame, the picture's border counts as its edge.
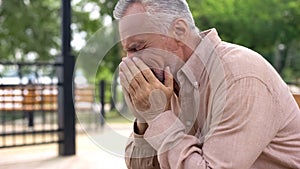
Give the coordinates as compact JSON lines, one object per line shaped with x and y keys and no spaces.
{"x":179,"y":29}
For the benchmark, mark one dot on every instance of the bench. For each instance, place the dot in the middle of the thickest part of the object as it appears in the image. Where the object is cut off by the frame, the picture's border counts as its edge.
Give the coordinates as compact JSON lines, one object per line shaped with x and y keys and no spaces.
{"x":84,"y":98}
{"x":35,"y":98}
{"x":28,"y":98}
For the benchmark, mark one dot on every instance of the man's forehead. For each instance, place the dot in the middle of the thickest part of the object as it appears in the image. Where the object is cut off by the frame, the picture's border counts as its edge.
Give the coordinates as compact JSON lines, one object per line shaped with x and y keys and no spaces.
{"x":135,"y":8}
{"x":131,"y":25}
{"x":133,"y":16}
{"x":133,"y":22}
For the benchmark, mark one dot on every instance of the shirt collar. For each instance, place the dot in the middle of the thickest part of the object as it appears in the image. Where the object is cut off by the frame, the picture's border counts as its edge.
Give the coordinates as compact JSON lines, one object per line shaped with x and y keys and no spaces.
{"x":195,"y":65}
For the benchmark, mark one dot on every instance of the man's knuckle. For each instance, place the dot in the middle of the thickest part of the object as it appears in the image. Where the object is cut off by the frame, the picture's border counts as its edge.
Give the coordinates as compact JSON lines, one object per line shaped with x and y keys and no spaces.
{"x":147,"y":90}
{"x":156,"y":85}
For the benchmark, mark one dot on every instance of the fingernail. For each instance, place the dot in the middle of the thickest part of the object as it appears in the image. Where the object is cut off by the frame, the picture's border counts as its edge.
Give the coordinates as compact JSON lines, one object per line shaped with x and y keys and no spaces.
{"x":135,"y":59}
{"x":168,"y":69}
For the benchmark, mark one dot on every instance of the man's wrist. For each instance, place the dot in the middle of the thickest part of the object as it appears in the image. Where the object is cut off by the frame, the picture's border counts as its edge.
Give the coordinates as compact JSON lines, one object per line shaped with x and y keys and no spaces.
{"x":140,"y":127}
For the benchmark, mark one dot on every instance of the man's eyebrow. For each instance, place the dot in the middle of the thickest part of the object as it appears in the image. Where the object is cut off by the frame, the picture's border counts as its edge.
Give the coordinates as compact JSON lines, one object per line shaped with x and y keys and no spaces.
{"x":127,"y":48}
{"x":133,"y":45}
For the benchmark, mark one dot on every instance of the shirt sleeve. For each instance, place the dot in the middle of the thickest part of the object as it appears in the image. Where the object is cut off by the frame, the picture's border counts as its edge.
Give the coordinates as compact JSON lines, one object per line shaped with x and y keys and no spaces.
{"x":246,"y":125}
{"x":139,"y":154}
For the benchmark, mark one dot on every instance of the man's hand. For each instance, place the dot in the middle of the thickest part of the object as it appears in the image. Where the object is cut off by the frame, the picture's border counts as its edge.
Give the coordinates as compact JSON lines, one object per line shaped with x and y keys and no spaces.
{"x":149,"y":97}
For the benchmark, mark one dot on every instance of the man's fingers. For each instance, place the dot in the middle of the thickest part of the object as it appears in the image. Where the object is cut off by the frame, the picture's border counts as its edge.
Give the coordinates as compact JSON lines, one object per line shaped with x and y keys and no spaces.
{"x":126,"y":72}
{"x":137,"y":73}
{"x":168,"y":77}
{"x":148,"y":74}
{"x":126,"y":76}
{"x":127,"y":98}
{"x":124,"y":82}
{"x":132,"y":67}
{"x":125,"y":92}
{"x":140,"y":64}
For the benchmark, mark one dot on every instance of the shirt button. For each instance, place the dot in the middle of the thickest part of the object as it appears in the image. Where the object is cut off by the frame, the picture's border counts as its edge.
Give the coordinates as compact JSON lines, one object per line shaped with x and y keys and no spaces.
{"x":196,"y":85}
{"x":188,"y":123}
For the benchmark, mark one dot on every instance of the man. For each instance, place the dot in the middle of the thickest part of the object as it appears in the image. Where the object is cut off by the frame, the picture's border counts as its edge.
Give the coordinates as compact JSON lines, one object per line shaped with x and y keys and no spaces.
{"x":200,"y":102}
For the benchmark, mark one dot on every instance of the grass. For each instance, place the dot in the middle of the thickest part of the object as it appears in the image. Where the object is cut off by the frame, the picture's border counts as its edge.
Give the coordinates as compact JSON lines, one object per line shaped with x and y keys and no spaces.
{"x":115,"y":117}
{"x":110,"y":117}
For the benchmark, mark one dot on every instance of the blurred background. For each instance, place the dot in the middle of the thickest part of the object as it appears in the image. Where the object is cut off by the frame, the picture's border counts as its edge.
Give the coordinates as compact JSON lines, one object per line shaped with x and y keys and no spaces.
{"x":30,"y":29}
{"x":30,"y":46}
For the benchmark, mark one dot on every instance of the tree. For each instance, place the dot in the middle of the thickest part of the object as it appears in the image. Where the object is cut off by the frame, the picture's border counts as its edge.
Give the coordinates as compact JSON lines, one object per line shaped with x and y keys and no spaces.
{"x":29,"y":29}
{"x":270,"y":27}
{"x":85,"y":22}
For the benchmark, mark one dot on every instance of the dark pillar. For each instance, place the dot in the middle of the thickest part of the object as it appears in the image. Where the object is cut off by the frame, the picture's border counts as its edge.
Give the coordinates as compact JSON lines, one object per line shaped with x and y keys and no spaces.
{"x":30,"y":101}
{"x":66,"y":106}
{"x":102,"y":101}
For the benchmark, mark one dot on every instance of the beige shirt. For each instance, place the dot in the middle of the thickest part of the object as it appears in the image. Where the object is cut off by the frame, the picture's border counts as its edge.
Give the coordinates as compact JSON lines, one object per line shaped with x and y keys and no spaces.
{"x":246,"y":117}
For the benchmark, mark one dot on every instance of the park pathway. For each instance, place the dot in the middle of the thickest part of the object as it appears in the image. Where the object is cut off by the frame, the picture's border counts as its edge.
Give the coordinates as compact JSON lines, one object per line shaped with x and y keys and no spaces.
{"x":89,"y":154}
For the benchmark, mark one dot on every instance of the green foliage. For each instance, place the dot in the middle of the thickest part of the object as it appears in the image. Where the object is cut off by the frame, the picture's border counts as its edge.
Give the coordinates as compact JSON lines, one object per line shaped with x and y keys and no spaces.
{"x":114,"y":117}
{"x":269,"y":27}
{"x":86,"y":23}
{"x":29,"y":27}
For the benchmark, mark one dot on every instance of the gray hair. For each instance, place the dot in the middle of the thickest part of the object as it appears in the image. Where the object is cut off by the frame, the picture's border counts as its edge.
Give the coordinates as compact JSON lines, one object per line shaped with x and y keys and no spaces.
{"x":173,"y":8}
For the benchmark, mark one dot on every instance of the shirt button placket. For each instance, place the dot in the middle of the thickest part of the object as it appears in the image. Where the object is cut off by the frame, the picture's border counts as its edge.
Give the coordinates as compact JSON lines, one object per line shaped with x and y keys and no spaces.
{"x":196,"y":85}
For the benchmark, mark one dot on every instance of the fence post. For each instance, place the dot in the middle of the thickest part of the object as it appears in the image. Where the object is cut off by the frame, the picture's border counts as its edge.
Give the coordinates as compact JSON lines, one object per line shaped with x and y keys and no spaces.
{"x":102,"y":102}
{"x":66,"y":111}
{"x":114,"y":93}
{"x":30,"y":102}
